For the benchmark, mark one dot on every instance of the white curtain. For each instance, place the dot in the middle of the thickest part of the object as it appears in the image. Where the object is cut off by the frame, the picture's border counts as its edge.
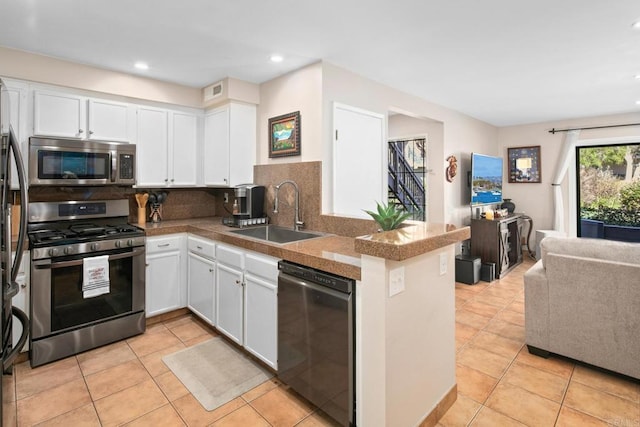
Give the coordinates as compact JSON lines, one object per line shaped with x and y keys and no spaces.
{"x":568,"y":146}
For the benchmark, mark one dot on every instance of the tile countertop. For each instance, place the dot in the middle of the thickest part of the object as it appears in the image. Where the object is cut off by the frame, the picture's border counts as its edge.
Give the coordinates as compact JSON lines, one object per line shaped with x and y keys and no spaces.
{"x":335,"y":254}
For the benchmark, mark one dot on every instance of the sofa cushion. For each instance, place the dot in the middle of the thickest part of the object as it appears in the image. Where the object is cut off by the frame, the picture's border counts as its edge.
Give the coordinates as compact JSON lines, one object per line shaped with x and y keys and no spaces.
{"x":608,"y":250}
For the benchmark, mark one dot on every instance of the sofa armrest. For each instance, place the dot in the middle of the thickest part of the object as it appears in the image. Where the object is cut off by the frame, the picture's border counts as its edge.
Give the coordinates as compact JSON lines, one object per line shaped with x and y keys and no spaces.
{"x":593,"y":311}
{"x":536,"y":307}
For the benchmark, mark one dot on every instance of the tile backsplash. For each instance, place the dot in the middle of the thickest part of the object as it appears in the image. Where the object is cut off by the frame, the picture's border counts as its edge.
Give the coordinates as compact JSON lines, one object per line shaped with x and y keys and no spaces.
{"x":180,"y":203}
{"x":186,"y":203}
{"x":308,"y":177}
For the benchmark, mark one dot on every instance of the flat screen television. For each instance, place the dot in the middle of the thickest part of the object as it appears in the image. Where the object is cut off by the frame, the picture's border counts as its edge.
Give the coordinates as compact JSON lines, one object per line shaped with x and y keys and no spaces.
{"x":486,"y":179}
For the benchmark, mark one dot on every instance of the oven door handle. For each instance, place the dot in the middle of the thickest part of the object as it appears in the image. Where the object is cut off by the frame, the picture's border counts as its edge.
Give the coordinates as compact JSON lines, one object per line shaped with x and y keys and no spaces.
{"x":47,"y":264}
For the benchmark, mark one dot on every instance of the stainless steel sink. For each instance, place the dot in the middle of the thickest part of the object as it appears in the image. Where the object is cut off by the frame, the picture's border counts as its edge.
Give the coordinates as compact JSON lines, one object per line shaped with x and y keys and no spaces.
{"x":276,"y":234}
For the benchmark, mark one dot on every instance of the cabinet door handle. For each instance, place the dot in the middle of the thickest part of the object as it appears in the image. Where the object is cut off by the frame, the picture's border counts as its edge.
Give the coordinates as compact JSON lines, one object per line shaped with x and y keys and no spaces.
{"x":199,"y":247}
{"x":80,"y":131}
{"x":238,"y":282}
{"x":164,"y":245}
{"x":211,"y":270}
{"x":90,"y":132}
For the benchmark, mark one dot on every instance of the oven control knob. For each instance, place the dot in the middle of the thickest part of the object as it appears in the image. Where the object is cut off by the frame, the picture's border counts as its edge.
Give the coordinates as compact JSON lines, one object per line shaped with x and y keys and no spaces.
{"x":130,"y":242}
{"x":53,"y":252}
{"x":118,"y":243}
{"x":67,"y":250}
{"x":95,"y":246}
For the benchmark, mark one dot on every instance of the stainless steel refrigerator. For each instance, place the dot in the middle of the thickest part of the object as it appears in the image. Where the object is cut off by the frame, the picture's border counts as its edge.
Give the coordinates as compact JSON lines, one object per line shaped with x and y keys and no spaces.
{"x":10,"y":157}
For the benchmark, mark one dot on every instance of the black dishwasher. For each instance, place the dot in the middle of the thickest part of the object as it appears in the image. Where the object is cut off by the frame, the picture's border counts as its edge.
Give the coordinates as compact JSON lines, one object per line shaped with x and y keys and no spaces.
{"x":316,"y":345}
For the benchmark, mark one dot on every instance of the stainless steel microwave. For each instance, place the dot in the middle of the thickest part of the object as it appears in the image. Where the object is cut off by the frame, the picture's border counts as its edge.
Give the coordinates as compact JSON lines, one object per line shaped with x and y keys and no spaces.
{"x":74,"y":162}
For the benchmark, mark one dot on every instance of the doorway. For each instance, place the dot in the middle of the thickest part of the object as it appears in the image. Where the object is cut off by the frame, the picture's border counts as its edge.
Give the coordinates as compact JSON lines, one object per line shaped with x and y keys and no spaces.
{"x":407,"y":175}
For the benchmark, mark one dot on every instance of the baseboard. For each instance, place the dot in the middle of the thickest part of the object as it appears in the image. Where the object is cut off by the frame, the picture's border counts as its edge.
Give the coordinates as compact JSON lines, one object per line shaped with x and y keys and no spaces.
{"x":441,"y":408}
{"x":167,"y":316}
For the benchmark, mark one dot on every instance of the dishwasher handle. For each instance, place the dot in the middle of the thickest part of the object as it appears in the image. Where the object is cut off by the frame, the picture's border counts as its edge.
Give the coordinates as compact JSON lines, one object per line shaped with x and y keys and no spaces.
{"x":288,"y":280}
{"x":311,"y":275}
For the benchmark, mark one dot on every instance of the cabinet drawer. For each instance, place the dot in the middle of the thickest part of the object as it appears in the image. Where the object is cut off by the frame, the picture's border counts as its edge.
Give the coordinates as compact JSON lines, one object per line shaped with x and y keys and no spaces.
{"x":203,"y":247}
{"x":161,"y":244}
{"x":230,"y":256}
{"x":262,"y":266}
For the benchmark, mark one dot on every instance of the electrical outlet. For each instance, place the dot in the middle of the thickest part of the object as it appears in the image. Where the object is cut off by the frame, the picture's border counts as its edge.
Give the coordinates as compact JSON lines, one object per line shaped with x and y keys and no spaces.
{"x":396,"y":281}
{"x":226,"y":197}
{"x":443,"y":264}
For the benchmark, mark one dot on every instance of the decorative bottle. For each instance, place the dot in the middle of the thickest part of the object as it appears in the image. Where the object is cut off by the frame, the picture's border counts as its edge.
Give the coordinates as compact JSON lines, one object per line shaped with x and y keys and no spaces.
{"x":508,"y":205}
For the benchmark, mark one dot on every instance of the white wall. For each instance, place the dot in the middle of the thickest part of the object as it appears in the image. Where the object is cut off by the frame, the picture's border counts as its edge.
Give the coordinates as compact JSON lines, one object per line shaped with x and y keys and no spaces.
{"x":44,"y":69}
{"x":460,"y":135}
{"x":299,"y":90}
{"x":536,"y":200}
{"x":406,"y":343}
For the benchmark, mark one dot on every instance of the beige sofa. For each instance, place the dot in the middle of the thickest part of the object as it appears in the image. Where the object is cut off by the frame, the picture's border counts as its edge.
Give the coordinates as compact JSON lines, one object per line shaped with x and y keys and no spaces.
{"x":582,"y":300}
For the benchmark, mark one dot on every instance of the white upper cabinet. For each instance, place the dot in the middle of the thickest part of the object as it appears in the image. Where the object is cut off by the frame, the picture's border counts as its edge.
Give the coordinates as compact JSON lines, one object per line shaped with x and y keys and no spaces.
{"x":108,"y":120}
{"x":184,"y":149}
{"x":72,"y":116}
{"x":229,"y":145}
{"x":167,"y":149}
{"x":216,"y":147}
{"x":14,"y":110}
{"x":59,"y":114}
{"x":152,"y":147}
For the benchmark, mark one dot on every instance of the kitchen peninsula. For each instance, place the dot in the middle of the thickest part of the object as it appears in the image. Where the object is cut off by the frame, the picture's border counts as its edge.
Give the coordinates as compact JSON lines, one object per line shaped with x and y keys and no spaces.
{"x":405,"y":310}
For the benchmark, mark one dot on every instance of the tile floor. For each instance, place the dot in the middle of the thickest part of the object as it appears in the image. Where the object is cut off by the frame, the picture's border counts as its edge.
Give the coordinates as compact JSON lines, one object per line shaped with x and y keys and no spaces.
{"x":499,"y":382}
{"x":127,"y":383}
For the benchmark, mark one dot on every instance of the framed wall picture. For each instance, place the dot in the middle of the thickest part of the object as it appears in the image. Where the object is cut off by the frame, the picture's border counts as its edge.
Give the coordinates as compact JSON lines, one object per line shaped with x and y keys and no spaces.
{"x":524,"y":165}
{"x":284,"y":135}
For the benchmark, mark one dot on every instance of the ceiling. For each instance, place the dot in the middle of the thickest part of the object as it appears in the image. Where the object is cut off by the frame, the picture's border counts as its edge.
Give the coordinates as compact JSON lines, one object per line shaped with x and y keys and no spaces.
{"x":505,"y":62}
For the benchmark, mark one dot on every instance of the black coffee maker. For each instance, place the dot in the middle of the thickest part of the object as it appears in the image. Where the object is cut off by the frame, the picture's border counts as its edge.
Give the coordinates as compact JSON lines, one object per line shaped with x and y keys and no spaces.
{"x":248,"y":206}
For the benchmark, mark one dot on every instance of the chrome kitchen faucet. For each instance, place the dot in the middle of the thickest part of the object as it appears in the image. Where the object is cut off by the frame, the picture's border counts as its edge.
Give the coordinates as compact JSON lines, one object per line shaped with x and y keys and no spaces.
{"x":297,"y":222}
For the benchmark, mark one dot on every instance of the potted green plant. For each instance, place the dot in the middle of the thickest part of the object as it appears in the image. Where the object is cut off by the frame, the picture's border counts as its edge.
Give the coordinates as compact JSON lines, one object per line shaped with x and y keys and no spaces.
{"x":389,"y":216}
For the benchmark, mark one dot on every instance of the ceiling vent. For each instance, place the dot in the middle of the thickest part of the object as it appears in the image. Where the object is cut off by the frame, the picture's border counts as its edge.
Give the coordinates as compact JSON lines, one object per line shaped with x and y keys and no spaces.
{"x":212,"y":92}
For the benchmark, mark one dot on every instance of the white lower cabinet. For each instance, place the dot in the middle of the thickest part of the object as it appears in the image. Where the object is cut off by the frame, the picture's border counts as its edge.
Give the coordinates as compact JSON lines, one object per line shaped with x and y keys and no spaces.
{"x":247,"y":300}
{"x":261,"y":308}
{"x":236,"y":291}
{"x":229,"y":292}
{"x":201,"y":281}
{"x":165,"y":274}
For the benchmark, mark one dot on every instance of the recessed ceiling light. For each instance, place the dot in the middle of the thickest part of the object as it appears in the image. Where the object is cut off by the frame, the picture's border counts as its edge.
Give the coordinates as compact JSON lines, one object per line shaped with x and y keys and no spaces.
{"x":637,"y":76}
{"x":637,"y":102}
{"x":276,"y":58}
{"x":141,"y":65}
{"x":636,"y":25}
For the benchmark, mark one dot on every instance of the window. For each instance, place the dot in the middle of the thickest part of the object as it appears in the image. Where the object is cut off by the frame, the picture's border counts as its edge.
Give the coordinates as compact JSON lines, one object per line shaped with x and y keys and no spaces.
{"x":608,"y":190}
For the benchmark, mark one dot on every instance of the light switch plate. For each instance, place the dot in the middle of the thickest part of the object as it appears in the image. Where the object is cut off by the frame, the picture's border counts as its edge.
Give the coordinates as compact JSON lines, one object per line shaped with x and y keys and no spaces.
{"x":396,"y":281}
{"x":443,"y":264}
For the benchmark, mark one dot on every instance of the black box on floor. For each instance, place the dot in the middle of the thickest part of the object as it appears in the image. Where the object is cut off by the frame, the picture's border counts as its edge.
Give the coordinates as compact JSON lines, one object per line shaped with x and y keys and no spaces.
{"x":488,"y":272}
{"x":468,"y":269}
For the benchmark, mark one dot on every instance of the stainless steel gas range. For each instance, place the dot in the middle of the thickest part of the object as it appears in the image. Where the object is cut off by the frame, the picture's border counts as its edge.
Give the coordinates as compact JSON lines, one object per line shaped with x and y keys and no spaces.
{"x":87,"y":277}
